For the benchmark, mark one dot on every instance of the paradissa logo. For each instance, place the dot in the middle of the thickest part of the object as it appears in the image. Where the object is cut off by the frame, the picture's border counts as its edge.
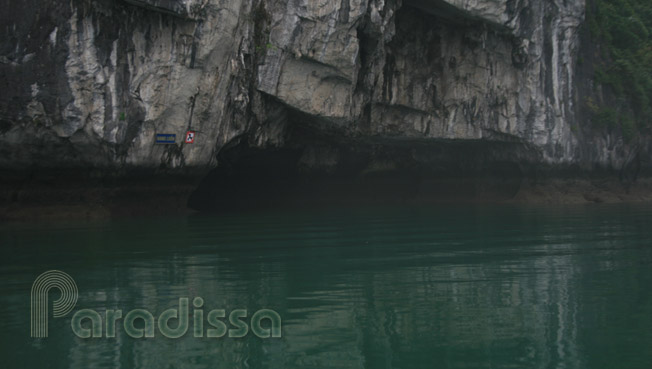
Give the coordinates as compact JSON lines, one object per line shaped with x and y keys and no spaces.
{"x":89,"y":323}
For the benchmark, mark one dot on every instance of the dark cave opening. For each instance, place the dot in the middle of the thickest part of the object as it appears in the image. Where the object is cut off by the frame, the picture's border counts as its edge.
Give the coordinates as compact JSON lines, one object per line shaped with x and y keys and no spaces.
{"x":320,"y":170}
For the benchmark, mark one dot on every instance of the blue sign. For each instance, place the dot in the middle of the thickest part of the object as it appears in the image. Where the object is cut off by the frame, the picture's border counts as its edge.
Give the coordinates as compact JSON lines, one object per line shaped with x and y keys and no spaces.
{"x":166,"y":138}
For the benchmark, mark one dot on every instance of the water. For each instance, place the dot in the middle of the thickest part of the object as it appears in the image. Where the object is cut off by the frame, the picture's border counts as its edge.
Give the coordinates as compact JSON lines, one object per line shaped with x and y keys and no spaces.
{"x":446,"y":287}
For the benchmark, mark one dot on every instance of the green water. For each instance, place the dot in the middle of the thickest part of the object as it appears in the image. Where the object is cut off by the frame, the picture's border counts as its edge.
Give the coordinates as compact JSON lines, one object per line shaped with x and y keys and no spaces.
{"x":447,"y":287}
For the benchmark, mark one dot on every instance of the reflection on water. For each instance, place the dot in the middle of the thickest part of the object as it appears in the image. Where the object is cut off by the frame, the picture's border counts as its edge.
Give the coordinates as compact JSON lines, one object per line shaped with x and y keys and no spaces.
{"x":471,"y":287}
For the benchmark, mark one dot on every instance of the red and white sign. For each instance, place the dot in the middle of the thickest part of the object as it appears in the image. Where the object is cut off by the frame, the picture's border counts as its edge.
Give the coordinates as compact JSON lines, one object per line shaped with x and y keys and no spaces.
{"x":190,"y":137}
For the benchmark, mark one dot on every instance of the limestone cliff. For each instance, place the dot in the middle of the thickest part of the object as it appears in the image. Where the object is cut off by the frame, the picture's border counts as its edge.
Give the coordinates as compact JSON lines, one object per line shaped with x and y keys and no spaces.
{"x":414,"y":83}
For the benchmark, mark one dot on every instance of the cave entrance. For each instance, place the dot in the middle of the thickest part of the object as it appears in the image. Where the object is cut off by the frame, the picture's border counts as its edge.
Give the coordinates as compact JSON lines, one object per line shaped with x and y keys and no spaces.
{"x":314,"y":170}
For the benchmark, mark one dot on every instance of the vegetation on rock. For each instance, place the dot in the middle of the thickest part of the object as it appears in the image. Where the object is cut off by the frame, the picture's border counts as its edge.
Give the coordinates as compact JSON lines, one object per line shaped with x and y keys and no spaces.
{"x":624,"y":31}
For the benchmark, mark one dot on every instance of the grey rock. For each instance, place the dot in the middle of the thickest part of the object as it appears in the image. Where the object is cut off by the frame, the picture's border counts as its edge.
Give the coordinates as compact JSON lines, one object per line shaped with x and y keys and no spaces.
{"x":99,"y":79}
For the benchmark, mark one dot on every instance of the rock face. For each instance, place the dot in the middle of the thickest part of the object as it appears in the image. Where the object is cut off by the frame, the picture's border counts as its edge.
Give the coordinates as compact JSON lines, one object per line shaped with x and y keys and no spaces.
{"x":496,"y":70}
{"x":91,"y":83}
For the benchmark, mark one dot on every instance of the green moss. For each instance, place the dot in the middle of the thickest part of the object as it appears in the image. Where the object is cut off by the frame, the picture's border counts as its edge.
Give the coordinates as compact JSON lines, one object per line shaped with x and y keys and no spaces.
{"x":624,"y":30}
{"x":591,"y":105}
{"x":123,"y":116}
{"x":606,"y":117}
{"x":629,"y":128}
